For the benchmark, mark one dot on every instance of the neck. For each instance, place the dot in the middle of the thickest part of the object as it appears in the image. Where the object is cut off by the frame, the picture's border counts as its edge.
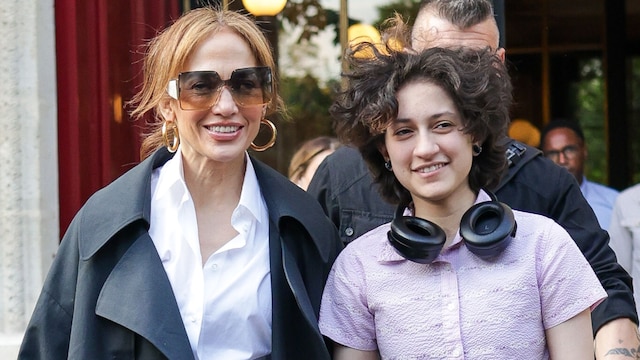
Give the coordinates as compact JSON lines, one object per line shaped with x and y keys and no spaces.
{"x":215,"y":183}
{"x":447,"y":212}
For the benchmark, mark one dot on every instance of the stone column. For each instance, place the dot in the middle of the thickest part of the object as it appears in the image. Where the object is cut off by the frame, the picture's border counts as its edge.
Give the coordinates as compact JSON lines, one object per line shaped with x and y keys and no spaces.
{"x":29,"y":229}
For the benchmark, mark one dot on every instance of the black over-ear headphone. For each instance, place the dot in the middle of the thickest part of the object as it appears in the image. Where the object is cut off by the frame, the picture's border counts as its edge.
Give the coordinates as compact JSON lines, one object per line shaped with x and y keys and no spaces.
{"x":486,"y":229}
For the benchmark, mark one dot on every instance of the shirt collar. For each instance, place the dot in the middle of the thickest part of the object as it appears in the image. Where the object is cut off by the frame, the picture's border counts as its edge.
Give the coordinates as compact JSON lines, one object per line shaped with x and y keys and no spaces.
{"x":250,"y":196}
{"x":584,"y":186}
{"x":172,"y":184}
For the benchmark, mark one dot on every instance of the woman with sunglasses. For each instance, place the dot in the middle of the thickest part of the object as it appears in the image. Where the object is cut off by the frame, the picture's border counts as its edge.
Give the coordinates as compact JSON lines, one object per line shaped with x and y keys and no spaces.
{"x":456,"y":274}
{"x":200,"y":251}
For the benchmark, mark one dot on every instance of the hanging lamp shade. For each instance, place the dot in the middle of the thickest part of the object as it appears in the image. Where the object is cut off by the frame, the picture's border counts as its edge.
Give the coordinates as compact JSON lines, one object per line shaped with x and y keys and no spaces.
{"x":358,"y":33}
{"x":264,"y":7}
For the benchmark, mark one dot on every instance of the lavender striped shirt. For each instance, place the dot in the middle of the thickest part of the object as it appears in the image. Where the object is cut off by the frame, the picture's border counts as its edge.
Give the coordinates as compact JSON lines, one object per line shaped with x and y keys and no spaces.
{"x":459,"y":306}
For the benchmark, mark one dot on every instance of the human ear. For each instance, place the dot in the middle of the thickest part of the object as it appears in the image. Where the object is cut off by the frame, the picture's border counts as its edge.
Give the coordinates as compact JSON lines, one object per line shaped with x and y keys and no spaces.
{"x":382,"y":148}
{"x":166,"y":109}
{"x":502,"y":54}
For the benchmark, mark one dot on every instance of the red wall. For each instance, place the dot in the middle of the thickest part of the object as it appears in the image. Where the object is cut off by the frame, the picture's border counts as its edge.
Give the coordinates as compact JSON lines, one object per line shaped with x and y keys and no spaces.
{"x":98,"y":69}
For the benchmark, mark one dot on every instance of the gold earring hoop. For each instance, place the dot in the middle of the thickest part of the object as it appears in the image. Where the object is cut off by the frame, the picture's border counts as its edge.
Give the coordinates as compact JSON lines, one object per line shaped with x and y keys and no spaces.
{"x":272,"y":141}
{"x":172,"y":146}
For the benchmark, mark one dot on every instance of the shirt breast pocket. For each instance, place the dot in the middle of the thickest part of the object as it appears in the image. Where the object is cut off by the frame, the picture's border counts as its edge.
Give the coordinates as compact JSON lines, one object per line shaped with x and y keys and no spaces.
{"x":355,"y":223}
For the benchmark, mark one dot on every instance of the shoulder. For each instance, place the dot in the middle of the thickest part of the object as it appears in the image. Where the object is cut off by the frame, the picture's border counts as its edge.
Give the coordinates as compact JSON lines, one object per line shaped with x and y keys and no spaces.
{"x":602,"y":189}
{"x":370,"y":248}
{"x":535,"y":226}
{"x":631,"y":192}
{"x":127,"y":188}
{"x":542,"y":176}
{"x":533,"y":220}
{"x":542,"y":170}
{"x":541,"y":232}
{"x":372,"y":239}
{"x":287,"y":203}
{"x":344,"y":155}
{"x":282,"y":195}
{"x":540,"y":186}
{"x":629,"y":198}
{"x":344,"y":164}
{"x":124,"y":201}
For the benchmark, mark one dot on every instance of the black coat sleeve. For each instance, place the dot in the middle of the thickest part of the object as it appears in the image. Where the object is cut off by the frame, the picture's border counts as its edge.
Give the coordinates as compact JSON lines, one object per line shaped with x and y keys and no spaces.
{"x":550,"y":190}
{"x":49,"y":330}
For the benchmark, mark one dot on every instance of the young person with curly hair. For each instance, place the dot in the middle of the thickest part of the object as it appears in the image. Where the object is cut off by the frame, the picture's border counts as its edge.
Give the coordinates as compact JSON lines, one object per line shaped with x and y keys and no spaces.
{"x":456,"y":274}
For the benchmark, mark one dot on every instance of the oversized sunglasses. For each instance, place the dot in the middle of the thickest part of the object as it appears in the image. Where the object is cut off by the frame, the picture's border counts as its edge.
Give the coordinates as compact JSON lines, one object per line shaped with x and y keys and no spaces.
{"x":200,"y":90}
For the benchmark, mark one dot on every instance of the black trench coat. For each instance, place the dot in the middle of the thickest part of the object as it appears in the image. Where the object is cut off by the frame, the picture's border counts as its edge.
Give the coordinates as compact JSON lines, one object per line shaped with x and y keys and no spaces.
{"x":107,"y":295}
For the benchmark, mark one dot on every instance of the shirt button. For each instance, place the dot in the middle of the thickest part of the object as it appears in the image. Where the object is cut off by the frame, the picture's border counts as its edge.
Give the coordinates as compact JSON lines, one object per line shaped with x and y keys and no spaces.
{"x":348,"y":231}
{"x":456,"y":352}
{"x":451,"y":306}
{"x":214,"y":267}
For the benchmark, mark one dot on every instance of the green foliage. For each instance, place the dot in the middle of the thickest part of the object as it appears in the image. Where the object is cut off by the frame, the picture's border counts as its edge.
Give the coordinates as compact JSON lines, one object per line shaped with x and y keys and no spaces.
{"x":313,"y":18}
{"x":308,"y":100}
{"x":590,"y":97}
{"x":308,"y":109}
{"x":307,"y":14}
{"x":308,"y":105}
{"x":590,"y":101}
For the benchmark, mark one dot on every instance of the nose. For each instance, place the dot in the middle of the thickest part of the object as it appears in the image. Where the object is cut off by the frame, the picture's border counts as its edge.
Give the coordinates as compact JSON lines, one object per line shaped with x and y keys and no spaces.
{"x":225,"y":105}
{"x":426,"y":145}
{"x":562,"y":158}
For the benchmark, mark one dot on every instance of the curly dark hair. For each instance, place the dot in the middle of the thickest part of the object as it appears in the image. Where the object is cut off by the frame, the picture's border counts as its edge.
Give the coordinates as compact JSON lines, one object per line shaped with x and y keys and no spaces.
{"x":476,"y":80}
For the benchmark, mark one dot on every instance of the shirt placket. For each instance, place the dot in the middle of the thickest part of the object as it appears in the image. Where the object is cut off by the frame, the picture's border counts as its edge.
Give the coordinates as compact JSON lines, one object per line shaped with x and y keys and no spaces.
{"x":450,"y":309}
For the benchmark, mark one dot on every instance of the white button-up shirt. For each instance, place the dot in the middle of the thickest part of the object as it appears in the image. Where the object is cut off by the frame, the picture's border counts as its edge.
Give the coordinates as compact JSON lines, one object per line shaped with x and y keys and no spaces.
{"x":225,"y":303}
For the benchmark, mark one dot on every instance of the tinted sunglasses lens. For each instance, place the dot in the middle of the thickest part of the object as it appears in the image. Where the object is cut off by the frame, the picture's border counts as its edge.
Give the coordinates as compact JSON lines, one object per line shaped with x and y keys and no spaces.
{"x":199,"y":90}
{"x":251,"y":86}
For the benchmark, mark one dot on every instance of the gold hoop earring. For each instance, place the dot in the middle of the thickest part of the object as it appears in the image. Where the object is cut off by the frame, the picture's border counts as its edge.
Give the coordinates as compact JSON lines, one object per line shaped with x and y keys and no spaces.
{"x":171,"y":146}
{"x":271,"y":141}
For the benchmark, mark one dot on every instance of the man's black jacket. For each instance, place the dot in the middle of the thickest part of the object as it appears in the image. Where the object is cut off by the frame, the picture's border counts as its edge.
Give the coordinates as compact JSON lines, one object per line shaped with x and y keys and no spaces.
{"x":345,"y":189}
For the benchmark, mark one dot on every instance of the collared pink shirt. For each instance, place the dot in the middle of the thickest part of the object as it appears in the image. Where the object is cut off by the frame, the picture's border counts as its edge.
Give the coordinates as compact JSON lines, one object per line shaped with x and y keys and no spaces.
{"x":459,"y":306}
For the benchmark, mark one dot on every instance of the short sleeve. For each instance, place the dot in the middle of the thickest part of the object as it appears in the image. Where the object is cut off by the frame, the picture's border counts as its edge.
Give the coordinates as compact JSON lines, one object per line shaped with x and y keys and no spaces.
{"x":567,"y":282}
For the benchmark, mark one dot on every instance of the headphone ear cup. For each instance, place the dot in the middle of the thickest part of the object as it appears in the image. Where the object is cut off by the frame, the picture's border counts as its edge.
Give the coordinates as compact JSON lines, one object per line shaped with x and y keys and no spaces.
{"x":487,"y":228}
{"x":416,"y":239}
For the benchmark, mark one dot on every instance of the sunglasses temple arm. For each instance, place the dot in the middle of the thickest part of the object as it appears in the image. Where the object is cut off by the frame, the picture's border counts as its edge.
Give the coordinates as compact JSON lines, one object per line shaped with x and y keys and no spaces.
{"x":172,"y":88}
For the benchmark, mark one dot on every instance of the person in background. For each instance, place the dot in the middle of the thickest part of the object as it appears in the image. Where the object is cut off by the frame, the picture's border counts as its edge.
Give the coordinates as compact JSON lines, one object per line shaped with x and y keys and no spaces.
{"x":346,"y":191}
{"x":200,"y":251}
{"x":429,"y":125}
{"x":625,"y":234}
{"x":525,"y":132}
{"x":563,"y":142}
{"x":309,"y":155}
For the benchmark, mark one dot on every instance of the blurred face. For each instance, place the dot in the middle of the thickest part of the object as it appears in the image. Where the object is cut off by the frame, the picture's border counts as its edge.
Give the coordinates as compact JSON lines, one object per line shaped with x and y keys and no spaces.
{"x":429,"y":153}
{"x":566,"y":149}
{"x":312,"y":166}
{"x":430,"y":31}
{"x":223,"y":126}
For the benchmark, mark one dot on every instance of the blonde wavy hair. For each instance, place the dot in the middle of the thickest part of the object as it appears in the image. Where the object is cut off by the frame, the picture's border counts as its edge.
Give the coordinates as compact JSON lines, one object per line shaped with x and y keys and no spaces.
{"x":167,"y":53}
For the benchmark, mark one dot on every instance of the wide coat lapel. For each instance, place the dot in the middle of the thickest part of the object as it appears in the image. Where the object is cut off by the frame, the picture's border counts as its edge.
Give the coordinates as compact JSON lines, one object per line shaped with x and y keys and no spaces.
{"x":303,"y":244}
{"x":137,"y":293}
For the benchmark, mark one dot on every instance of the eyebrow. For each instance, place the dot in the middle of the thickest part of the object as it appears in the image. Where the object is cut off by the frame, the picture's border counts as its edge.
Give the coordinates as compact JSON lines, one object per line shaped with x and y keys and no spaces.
{"x":432,"y":117}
